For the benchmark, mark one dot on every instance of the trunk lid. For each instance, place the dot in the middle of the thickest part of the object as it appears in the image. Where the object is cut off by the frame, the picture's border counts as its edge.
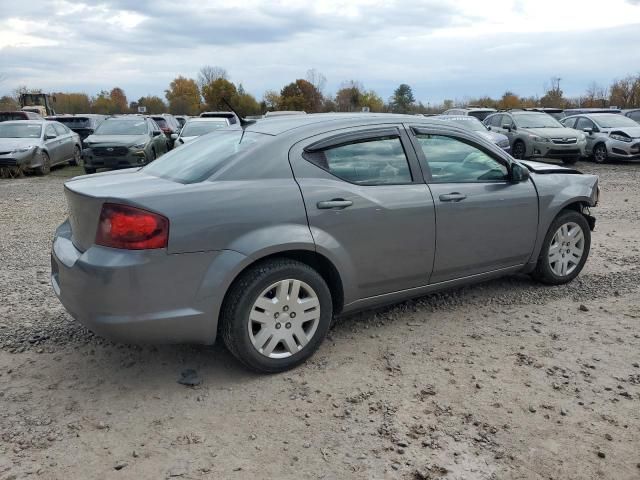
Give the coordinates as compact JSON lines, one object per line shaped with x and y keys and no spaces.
{"x":85,"y":196}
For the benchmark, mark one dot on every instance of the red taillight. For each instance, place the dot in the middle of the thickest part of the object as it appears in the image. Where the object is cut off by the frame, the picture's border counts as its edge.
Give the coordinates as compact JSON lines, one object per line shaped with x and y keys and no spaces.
{"x":122,"y":226}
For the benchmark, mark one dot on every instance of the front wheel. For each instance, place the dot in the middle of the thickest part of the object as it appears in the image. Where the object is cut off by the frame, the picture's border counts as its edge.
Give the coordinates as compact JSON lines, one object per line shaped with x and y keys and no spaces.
{"x":600,"y":153}
{"x":519,"y":150}
{"x":565,"y":249}
{"x":45,"y":165}
{"x":77,"y":157}
{"x":276,"y":315}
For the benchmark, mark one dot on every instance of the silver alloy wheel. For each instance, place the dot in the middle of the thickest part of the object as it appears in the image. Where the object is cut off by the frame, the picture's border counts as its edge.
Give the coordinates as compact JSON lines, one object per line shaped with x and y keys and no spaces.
{"x":284,"y":318}
{"x":566,"y":249}
{"x":600,"y":154}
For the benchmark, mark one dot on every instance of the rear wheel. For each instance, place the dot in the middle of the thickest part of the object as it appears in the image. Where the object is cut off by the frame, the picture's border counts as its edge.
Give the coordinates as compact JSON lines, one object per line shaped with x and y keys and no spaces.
{"x":600,"y":153}
{"x":565,"y":249}
{"x":519,"y":150}
{"x":77,"y":157}
{"x":45,"y":166}
{"x":276,"y":315}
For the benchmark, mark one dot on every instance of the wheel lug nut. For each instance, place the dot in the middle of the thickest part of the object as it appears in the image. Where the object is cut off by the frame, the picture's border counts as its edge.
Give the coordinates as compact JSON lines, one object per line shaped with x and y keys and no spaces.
{"x":278,"y":325}
{"x":288,"y":325}
{"x":292,"y":315}
{"x":285,"y":309}
{"x":276,"y":315}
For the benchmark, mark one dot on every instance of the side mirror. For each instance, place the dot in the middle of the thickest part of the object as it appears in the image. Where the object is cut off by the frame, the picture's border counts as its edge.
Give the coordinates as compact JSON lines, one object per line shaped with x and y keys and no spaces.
{"x":488,"y":127}
{"x":507,"y":126}
{"x":519,"y":173}
{"x":156,"y":133}
{"x":588,"y":130}
{"x":174,"y":136}
{"x":49,"y":137}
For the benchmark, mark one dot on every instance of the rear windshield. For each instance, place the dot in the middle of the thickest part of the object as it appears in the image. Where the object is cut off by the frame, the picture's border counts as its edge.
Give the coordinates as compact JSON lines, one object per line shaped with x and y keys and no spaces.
{"x":162,"y":123}
{"x":195,"y":129}
{"x":75,"y":122}
{"x":17,"y":130}
{"x":5,"y":116}
{"x":122,"y":127}
{"x":198,"y":160}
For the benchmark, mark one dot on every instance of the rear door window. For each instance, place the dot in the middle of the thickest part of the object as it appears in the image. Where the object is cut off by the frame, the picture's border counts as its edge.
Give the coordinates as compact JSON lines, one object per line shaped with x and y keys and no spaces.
{"x":380,"y":161}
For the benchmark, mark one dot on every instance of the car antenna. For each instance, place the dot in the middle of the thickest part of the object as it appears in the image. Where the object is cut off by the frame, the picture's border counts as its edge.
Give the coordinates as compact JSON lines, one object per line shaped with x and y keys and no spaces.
{"x":243,"y":121}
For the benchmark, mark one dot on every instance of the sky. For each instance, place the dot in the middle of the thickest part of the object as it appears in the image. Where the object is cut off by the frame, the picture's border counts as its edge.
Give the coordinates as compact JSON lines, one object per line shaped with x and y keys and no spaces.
{"x":444,"y":49}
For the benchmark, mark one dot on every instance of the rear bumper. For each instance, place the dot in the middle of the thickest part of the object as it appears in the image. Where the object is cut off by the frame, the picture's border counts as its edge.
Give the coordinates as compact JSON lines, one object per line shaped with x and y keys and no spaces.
{"x":145,"y":296}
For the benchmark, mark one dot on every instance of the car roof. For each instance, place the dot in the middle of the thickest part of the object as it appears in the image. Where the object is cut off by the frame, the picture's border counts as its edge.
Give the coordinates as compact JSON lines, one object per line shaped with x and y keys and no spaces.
{"x":466,"y":118}
{"x":29,"y":121}
{"x":320,"y":121}
{"x":207,"y":119}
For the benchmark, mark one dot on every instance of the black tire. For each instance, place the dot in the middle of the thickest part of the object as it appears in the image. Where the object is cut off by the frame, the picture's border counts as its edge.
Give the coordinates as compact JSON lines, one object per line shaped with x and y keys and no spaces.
{"x":241,"y":297}
{"x":77,"y":157}
{"x":570,"y":161}
{"x":600,"y":154}
{"x":519,"y":150}
{"x":543,"y":272}
{"x":89,"y":170}
{"x":153,"y":155}
{"x":45,"y":167}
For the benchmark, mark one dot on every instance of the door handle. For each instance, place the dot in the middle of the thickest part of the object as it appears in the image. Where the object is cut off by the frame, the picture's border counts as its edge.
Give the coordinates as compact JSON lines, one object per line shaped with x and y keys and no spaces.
{"x":452,"y":197}
{"x":335,"y":203}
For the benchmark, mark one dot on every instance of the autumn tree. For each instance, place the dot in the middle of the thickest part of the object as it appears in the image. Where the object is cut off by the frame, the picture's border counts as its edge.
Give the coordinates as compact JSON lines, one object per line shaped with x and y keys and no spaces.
{"x":372,"y":100}
{"x":183,"y":96}
{"x":271,"y":100}
{"x":300,"y":95}
{"x":216,"y":91}
{"x":625,"y":93}
{"x":8,"y":103}
{"x":349,"y":97}
{"x":72,"y":102}
{"x":553,"y":95}
{"x":402,"y":100}
{"x":119,"y":100}
{"x":509,"y":100}
{"x":102,"y":104}
{"x":245,"y":103}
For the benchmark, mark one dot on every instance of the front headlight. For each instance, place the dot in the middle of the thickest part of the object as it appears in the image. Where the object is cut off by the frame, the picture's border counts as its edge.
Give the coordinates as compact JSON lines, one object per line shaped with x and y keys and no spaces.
{"x":138,"y":145}
{"x":536,"y":138}
{"x":621,"y":138}
{"x":24,"y":149}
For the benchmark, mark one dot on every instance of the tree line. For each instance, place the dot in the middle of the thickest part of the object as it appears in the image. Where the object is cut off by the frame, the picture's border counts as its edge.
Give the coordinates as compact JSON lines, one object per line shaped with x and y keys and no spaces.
{"x":189,"y":96}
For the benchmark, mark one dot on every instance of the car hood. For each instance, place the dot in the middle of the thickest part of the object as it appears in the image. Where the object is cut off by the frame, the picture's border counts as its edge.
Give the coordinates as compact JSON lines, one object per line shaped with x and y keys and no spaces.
{"x":541,"y":168}
{"x":553,"y":132}
{"x":10,"y":144}
{"x":633,"y":132}
{"x":493,"y":136}
{"x":116,"y":139}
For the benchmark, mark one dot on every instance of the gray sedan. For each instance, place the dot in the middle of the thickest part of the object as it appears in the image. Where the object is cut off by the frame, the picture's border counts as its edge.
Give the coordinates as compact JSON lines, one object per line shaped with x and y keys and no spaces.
{"x":609,"y":135}
{"x":263,"y":234}
{"x":37,"y":145}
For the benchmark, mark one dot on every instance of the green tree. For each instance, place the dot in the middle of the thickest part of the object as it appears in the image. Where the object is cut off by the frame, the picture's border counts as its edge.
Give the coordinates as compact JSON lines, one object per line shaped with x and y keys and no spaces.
{"x":300,"y":95}
{"x":103,"y":104}
{"x":372,"y":100}
{"x":349,"y":97}
{"x":271,"y":100}
{"x":183,"y":96}
{"x":216,"y":91}
{"x":402,"y":100}
{"x":153,"y":103}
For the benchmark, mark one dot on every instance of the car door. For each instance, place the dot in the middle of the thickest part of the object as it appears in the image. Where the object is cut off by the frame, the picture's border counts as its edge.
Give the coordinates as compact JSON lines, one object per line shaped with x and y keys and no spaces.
{"x":484,"y":221}
{"x":581,"y":124}
{"x":52,"y":144}
{"x":368,"y":207}
{"x":66,"y":142}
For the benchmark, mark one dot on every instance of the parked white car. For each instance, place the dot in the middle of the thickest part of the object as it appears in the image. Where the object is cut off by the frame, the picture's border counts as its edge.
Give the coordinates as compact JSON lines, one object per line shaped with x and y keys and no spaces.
{"x":196,"y":127}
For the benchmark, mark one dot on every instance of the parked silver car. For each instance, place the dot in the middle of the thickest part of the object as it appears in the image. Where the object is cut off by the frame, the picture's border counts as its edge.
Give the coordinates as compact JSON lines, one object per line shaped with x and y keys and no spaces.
{"x":476,"y":126}
{"x":609,"y":135}
{"x":37,"y":145}
{"x":196,"y":127}
{"x":263,"y":234}
{"x":633,"y":114}
{"x":479,"y":112}
{"x":538,"y":135}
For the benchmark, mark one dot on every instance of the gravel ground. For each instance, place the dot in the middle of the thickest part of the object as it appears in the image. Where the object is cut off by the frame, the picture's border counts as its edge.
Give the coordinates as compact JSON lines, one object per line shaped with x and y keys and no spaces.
{"x":508,"y":379}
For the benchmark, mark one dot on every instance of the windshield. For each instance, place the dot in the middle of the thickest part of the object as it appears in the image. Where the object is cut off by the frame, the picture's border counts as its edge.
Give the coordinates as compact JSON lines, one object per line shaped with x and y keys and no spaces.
{"x":22,"y":130}
{"x":75,"y":122}
{"x":162,"y":123}
{"x":536,"y":120}
{"x":613,"y":120}
{"x":471,"y":123}
{"x":195,"y":129}
{"x":198,"y":160}
{"x":122,"y":127}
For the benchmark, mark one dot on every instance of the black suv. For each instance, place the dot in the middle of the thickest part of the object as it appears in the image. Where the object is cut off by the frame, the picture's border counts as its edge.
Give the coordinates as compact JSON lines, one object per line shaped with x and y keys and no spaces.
{"x":83,"y":125}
